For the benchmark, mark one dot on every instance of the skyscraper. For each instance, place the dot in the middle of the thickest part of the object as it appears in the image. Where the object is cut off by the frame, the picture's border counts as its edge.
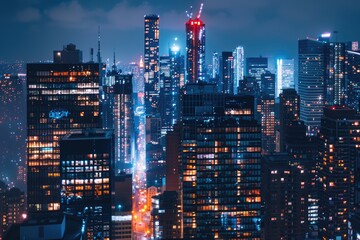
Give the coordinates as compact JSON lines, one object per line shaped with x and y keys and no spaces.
{"x":353,"y":76}
{"x":123,"y":116}
{"x":289,"y":111}
{"x":312,"y":75}
{"x":87,"y":158}
{"x":195,"y":45}
{"x":220,"y":165}
{"x":215,"y":65}
{"x":335,"y":81}
{"x":339,"y":142}
{"x":285,"y":75}
{"x":60,"y":97}
{"x":256,"y":66}
{"x":239,"y":60}
{"x":227,"y":72}
{"x":151,"y":64}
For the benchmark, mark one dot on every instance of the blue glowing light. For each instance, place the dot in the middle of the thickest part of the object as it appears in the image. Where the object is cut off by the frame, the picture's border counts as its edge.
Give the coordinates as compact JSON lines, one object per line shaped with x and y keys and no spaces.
{"x":58,"y":114}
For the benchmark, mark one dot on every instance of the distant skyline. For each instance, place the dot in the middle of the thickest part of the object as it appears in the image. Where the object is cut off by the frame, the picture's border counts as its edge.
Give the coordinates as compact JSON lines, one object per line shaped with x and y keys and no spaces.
{"x":32,"y":29}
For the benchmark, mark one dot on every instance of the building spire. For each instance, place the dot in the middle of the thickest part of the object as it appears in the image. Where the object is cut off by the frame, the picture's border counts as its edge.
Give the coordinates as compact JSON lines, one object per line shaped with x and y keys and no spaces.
{"x":114,"y":63}
{"x":99,"y":49}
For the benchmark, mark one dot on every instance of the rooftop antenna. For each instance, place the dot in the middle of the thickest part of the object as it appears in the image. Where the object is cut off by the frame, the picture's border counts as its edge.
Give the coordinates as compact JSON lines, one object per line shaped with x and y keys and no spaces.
{"x":189,"y":13}
{"x":200,"y":10}
{"x":98,"y":53}
{"x":91,"y":55}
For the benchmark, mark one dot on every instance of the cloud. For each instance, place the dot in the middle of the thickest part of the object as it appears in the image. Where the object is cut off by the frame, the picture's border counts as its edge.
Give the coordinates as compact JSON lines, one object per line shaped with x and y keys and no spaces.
{"x":28,"y":15}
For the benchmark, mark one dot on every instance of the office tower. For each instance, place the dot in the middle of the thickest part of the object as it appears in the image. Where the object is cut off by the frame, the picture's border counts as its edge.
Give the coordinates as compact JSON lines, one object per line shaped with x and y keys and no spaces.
{"x":352,"y":78}
{"x":227,"y":72}
{"x":123,"y":117}
{"x":339,"y":140}
{"x":155,"y":166}
{"x":68,"y":55}
{"x":122,"y":207}
{"x":195,"y":45}
{"x":312,"y":76}
{"x":166,"y":219}
{"x":249,"y":86}
{"x":151,"y":64}
{"x":215,"y":65}
{"x":220,"y":143}
{"x":60,"y":97}
{"x":87,"y":158}
{"x":172,"y":159}
{"x":289,"y":111}
{"x":255,"y":67}
{"x":285,"y":75}
{"x":285,"y":195}
{"x":266,"y":105}
{"x":177,"y":73}
{"x":165,"y":104}
{"x":239,"y":60}
{"x":268,"y":84}
{"x":335,"y":81}
{"x":138,"y":77}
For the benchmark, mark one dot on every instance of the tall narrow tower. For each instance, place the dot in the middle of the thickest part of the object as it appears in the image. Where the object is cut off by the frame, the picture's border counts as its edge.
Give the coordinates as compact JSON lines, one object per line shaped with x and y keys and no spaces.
{"x":195,"y":45}
{"x":151,"y":64}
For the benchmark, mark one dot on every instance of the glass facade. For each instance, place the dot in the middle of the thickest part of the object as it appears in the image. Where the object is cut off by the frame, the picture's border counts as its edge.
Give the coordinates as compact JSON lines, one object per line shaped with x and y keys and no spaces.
{"x":60,"y":97}
{"x":86,"y":178}
{"x":285,"y":75}
{"x":220,"y":165}
{"x":312,"y":71}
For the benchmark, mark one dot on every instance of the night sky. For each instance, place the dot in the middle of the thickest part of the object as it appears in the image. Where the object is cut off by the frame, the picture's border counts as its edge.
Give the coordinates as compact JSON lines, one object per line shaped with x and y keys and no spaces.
{"x":31,"y":29}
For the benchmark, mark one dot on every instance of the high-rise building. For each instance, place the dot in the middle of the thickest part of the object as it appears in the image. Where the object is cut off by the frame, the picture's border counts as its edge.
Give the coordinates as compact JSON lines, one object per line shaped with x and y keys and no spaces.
{"x":289,"y":111}
{"x":266,"y":108}
{"x":87,"y":158}
{"x":151,"y":64}
{"x":60,"y":97}
{"x":215,"y":65}
{"x":267,"y":84}
{"x":312,"y":77}
{"x":220,"y":165}
{"x":352,"y":78}
{"x":256,"y":66}
{"x":285,"y":75}
{"x":239,"y":60}
{"x":195,"y":45}
{"x":339,"y":142}
{"x":171,"y":79}
{"x":123,"y":123}
{"x":285,"y":190}
{"x":335,"y":81}
{"x":227,"y":72}
{"x":122,"y":207}
{"x":166,"y":219}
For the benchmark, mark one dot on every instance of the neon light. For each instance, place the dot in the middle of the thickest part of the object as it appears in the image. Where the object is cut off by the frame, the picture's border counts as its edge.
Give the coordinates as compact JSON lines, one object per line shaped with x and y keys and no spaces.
{"x":58,"y":114}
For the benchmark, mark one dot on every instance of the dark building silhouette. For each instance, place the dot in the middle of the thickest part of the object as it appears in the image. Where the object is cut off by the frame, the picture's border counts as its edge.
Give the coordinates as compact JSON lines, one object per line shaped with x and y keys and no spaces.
{"x":339,"y":140}
{"x":285,"y":184}
{"x":122,"y":207}
{"x":255,"y":67}
{"x":289,"y":111}
{"x":68,"y":55}
{"x":166,"y":220}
